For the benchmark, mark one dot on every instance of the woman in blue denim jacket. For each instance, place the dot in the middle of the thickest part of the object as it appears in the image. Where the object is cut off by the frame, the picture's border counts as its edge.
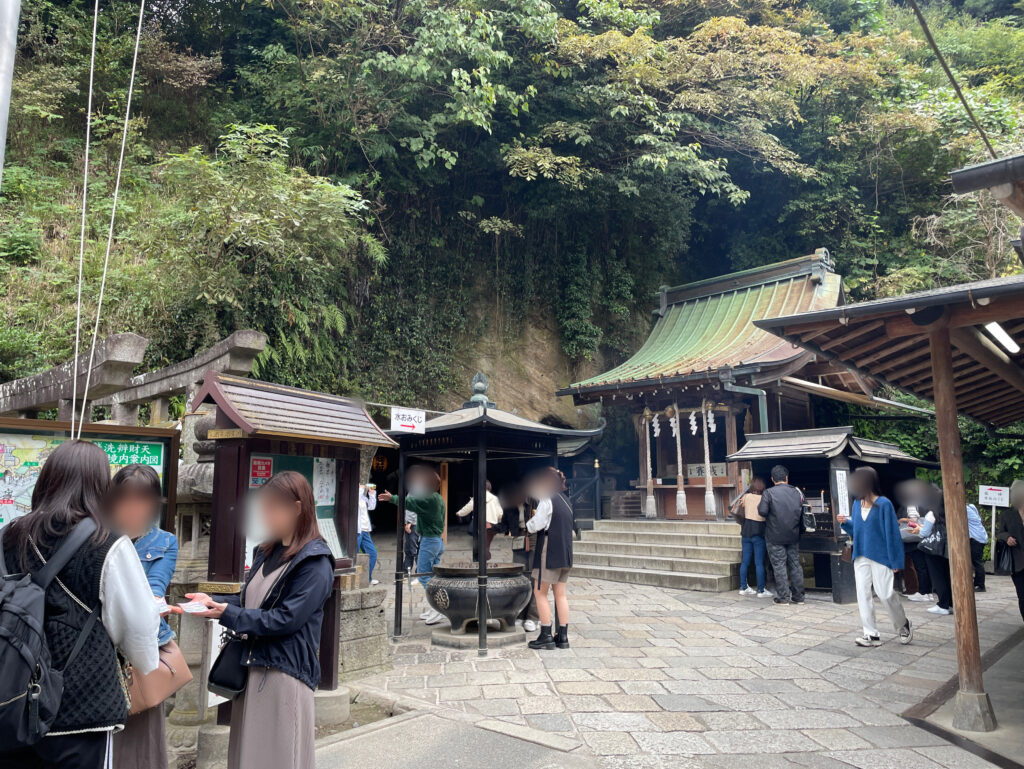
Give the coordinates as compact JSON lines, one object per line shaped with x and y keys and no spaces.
{"x":136,"y":501}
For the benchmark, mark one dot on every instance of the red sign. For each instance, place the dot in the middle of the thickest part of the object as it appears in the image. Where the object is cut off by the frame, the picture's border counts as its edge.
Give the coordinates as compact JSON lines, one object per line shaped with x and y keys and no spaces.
{"x":260,"y":470}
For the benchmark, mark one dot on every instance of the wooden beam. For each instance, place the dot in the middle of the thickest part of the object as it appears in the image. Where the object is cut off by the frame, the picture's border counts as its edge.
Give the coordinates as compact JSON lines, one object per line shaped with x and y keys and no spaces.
{"x":874,"y":344}
{"x":998,"y":309}
{"x":972,"y":342}
{"x":893,"y":348}
{"x":898,"y":374}
{"x":854,"y":333}
{"x":965,"y":615}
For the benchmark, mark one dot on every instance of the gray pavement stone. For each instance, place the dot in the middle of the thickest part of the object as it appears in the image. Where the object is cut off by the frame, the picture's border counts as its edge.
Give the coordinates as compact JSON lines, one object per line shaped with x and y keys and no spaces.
{"x":671,"y":743}
{"x":760,"y":741}
{"x":884,"y":759}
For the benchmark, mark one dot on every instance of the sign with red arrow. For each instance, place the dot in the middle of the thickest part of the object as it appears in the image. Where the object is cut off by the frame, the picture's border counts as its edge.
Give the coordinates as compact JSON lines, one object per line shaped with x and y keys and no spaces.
{"x":408,"y":420}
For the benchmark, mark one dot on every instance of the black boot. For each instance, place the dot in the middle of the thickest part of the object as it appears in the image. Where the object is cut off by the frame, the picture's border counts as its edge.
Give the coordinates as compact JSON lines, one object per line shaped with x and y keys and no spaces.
{"x":562,"y":638}
{"x":544,"y":640}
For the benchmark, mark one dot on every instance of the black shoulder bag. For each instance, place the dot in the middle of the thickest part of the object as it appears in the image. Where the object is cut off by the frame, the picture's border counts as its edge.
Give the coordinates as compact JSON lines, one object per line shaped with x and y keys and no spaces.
{"x":228,"y":673}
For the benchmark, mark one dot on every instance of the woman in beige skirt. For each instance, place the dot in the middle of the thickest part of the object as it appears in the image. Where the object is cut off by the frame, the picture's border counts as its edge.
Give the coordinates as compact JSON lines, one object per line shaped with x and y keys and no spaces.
{"x":279,"y":613}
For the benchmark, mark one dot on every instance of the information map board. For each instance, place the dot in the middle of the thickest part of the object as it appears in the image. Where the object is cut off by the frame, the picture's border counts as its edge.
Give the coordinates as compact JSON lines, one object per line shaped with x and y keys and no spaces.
{"x":22,"y":456}
{"x":322,"y":474}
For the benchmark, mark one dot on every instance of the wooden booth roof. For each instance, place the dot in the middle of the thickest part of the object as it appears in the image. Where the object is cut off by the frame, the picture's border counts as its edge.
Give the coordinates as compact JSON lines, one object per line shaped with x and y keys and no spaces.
{"x":708,"y":326}
{"x":822,"y":442}
{"x":887,"y":339}
{"x":265,"y":409}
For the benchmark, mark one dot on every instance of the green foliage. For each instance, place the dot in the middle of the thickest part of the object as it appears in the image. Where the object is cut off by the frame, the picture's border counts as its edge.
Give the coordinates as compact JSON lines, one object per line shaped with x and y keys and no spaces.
{"x":517,"y":162}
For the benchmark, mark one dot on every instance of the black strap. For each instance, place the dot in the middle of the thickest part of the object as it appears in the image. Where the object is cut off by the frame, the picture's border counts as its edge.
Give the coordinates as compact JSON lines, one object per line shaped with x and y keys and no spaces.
{"x":82,"y":637}
{"x":4,"y":574}
{"x":82,"y":531}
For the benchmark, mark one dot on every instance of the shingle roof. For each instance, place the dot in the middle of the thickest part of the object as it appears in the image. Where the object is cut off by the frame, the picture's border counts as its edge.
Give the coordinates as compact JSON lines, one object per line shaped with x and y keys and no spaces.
{"x":888,"y":339}
{"x":709,"y":325}
{"x":273,"y":410}
{"x":823,"y":442}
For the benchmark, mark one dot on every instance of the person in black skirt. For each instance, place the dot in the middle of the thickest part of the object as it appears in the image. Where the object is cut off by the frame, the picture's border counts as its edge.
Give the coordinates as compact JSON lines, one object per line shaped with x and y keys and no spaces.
{"x":553,"y":524}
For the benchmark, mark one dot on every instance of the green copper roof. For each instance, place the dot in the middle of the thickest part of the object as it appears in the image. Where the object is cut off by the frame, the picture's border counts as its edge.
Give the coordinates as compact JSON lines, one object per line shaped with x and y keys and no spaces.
{"x":706,"y":326}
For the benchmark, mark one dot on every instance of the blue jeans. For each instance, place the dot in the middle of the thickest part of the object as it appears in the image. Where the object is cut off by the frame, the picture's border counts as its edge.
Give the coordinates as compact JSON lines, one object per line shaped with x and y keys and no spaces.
{"x":365,"y":544}
{"x":753,"y":548}
{"x":431,"y":550}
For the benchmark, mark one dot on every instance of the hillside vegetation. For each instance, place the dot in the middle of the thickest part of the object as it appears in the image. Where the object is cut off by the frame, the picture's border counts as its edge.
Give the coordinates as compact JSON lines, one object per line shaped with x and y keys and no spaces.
{"x":376,"y":185}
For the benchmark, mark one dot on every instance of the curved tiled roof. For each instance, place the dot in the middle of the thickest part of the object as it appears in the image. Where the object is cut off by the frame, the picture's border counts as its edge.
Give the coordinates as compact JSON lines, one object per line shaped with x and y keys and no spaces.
{"x":709,"y":325}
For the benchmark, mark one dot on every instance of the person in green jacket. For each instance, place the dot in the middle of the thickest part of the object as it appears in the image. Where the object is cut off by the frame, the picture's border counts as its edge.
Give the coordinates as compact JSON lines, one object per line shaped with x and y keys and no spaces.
{"x":424,"y":501}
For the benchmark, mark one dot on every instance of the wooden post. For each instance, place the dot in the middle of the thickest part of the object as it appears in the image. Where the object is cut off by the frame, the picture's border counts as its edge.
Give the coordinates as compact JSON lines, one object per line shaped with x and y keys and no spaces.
{"x":972,"y":709}
{"x":400,"y":540}
{"x":731,"y":445}
{"x":710,"y":508}
{"x":650,"y":508}
{"x":480,"y":508}
{"x":680,"y":467}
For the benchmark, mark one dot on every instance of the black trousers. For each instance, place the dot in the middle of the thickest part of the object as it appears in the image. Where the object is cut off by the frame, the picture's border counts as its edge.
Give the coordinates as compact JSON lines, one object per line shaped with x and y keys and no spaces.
{"x":411,"y":549}
{"x":978,"y":561}
{"x":942,"y":585}
{"x":75,"y":751}
{"x":1018,"y":582}
{"x":924,"y":578}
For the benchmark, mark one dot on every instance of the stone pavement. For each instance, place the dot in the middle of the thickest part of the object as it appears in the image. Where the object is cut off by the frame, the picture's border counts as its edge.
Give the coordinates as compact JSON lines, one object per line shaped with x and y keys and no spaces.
{"x":660,"y":678}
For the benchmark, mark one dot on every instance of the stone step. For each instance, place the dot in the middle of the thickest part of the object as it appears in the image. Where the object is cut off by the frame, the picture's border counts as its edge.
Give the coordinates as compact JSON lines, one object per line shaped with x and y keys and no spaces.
{"x":647,"y":563}
{"x":710,"y":583}
{"x":678,"y":527}
{"x":697,"y":552}
{"x":652,"y":537}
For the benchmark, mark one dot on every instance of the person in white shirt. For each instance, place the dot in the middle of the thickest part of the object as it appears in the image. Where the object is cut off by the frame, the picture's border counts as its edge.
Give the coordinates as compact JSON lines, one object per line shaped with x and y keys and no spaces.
{"x":367,"y":502}
{"x":493,"y":512}
{"x":105,"y":576}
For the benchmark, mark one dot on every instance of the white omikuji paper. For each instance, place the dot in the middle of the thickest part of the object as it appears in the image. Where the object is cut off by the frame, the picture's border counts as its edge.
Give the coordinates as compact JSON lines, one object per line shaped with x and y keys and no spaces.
{"x":193,"y":607}
{"x":330,"y":534}
{"x":325,"y":481}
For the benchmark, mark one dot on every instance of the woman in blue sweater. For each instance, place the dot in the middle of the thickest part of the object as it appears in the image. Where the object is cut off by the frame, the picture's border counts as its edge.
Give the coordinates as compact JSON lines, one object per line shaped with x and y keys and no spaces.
{"x":877,"y":553}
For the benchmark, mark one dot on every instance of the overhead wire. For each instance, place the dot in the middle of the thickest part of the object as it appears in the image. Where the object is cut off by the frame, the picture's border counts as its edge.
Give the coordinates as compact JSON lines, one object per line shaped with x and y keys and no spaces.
{"x":952,"y":79}
{"x":85,"y":200}
{"x":113,"y":216}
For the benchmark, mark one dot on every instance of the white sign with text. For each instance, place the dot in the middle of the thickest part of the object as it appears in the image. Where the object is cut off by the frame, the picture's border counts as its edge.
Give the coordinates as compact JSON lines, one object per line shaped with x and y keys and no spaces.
{"x":408,"y":420}
{"x":994,"y":495}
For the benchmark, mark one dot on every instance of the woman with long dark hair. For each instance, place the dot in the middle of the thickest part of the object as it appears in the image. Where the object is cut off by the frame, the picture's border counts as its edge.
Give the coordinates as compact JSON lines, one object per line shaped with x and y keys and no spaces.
{"x":935,"y":545}
{"x":104,"y":579}
{"x":877,"y":554}
{"x":135,"y":503}
{"x":755,"y":550}
{"x":279,"y":612}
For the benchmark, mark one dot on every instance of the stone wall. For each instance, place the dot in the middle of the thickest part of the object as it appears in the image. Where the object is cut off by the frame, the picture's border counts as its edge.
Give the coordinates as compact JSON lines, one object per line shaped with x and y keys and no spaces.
{"x":363,"y":633}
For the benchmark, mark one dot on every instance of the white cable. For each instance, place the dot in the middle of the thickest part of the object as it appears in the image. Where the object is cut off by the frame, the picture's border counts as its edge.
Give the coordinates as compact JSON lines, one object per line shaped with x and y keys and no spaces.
{"x":85,"y":198}
{"x":113,"y":214}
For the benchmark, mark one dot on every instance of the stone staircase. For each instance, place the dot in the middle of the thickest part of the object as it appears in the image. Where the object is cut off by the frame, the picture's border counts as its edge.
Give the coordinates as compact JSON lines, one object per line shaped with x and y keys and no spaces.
{"x":679,"y":554}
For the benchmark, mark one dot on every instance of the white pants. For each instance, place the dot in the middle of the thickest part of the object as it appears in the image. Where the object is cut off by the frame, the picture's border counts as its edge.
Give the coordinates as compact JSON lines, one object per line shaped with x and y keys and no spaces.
{"x":870,"y":574}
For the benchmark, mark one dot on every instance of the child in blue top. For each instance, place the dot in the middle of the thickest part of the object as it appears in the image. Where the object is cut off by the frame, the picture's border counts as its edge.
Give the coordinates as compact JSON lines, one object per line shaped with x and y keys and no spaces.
{"x":877,"y":553}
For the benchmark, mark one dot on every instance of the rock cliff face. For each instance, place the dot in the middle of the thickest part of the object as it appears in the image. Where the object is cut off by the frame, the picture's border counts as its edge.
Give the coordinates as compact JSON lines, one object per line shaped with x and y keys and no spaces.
{"x":525,"y":373}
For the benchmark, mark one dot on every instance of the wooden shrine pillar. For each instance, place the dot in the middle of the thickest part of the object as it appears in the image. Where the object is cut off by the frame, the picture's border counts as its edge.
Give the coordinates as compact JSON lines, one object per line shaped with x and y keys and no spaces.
{"x":731,"y":446}
{"x":972,"y":709}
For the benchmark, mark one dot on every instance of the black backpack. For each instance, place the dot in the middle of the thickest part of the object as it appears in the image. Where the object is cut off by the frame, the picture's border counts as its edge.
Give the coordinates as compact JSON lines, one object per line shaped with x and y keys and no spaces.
{"x":30,"y":687}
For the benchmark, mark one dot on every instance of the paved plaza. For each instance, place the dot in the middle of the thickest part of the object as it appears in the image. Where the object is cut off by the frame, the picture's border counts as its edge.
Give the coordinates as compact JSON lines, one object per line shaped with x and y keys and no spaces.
{"x":660,"y":678}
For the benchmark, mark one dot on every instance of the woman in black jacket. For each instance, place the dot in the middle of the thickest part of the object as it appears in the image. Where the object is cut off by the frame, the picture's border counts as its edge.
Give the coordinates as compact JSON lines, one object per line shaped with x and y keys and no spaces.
{"x":1011,"y":534}
{"x":279,"y":612}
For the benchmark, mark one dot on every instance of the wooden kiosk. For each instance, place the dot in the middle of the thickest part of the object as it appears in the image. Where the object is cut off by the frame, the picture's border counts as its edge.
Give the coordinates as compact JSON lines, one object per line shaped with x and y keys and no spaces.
{"x":959,"y":347}
{"x":264,"y":428}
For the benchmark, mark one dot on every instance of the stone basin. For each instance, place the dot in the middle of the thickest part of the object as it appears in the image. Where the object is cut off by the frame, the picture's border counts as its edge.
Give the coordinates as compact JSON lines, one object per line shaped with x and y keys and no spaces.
{"x":453,"y":591}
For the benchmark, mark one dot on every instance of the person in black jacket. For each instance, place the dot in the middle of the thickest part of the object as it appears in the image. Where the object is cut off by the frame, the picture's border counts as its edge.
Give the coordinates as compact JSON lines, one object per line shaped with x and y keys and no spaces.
{"x":280,"y":612}
{"x":781,"y":506}
{"x":1011,"y":535}
{"x":552,"y":560}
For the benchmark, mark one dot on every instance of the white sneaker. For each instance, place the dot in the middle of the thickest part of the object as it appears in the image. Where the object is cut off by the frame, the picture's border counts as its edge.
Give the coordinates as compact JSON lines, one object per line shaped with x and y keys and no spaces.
{"x":868,"y":640}
{"x":529,"y":626}
{"x":374,"y":581}
{"x":936,"y":609}
{"x":919,"y":597}
{"x":434,"y":617}
{"x":427,"y":613}
{"x":748,"y":591}
{"x":766,"y":594}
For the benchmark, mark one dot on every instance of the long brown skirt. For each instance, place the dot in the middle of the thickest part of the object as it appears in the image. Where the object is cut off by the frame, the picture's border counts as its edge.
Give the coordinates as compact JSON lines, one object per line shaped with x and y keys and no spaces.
{"x":272,"y":723}
{"x":143,"y":743}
